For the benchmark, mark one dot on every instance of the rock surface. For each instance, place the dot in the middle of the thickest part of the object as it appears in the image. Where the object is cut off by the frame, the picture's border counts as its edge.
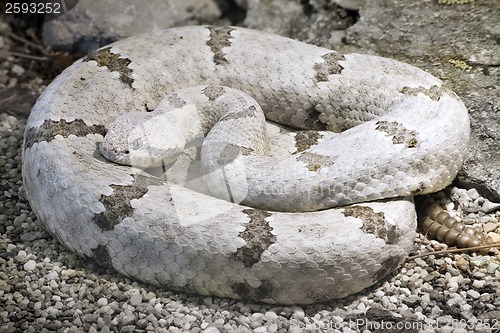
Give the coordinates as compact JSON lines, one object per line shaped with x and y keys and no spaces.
{"x":92,"y":23}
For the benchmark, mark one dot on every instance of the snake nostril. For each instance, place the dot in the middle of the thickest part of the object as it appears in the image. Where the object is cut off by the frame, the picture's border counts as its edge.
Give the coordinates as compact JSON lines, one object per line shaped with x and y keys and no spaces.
{"x":126,"y":152}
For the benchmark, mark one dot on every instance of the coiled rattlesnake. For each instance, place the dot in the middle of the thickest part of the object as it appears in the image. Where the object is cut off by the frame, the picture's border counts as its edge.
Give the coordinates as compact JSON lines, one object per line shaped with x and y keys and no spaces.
{"x":402,"y":134}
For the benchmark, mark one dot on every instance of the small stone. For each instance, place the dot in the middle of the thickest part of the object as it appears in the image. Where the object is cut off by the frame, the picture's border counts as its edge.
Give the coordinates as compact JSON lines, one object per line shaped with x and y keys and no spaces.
{"x":436,"y":311}
{"x":446,"y":329}
{"x":68,"y":273}
{"x":52,"y":311}
{"x":474,"y":294}
{"x":53,"y":284}
{"x":298,"y":313}
{"x":452,"y":285}
{"x":492,"y":267}
{"x":52,"y":275}
{"x":135,"y":299}
{"x":157,"y":309}
{"x":29,"y":236}
{"x":462,"y":263}
{"x":149,"y":296}
{"x":488,"y":206}
{"x":270,"y":316}
{"x":17,"y":70}
{"x":21,"y":256}
{"x":29,"y":265}
{"x":102,"y":301}
{"x":18,"y":221}
{"x":127,"y":318}
{"x":490,"y":226}
{"x":473,"y":194}
{"x":189,"y":318}
{"x":478,"y":283}
{"x":411,"y":300}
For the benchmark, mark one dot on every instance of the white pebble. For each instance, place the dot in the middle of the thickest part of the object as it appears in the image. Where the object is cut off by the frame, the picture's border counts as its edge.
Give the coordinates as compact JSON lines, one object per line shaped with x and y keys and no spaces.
{"x":446,"y":329}
{"x":29,"y":265}
{"x":21,"y":256}
{"x":298,"y":313}
{"x":127,"y":317}
{"x":52,"y":311}
{"x":17,"y":70}
{"x":68,"y":272}
{"x":157,"y":309}
{"x":474,"y":294}
{"x":102,"y":301}
{"x":452,"y":285}
{"x":135,"y":299}
{"x":473,"y":194}
{"x":270,"y":316}
{"x":189,"y":318}
{"x":478,"y":283}
{"x":52,"y":275}
{"x":151,"y":318}
{"x":492,"y":267}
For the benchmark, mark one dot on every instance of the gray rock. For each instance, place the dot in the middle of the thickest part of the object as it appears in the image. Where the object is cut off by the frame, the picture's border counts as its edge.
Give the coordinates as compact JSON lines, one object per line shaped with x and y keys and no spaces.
{"x":319,"y":22}
{"x":93,"y":23}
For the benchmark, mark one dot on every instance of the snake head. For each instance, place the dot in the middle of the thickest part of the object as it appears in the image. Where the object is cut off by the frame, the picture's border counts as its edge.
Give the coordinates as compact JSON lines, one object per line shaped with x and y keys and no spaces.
{"x":141,"y":140}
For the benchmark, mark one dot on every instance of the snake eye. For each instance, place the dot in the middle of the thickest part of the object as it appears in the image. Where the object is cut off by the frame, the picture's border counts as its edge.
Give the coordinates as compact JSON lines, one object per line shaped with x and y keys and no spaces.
{"x":136,"y":144}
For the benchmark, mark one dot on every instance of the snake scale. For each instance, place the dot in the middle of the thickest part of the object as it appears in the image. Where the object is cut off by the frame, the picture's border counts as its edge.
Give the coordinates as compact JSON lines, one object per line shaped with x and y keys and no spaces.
{"x":367,"y":133}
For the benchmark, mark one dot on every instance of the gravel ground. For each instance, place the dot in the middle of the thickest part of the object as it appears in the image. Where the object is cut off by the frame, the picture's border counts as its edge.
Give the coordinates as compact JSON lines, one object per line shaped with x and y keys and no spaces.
{"x":46,"y":288}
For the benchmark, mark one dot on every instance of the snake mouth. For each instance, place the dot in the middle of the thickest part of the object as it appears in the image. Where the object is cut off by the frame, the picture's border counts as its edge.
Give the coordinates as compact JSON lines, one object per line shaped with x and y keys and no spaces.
{"x":113,"y":154}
